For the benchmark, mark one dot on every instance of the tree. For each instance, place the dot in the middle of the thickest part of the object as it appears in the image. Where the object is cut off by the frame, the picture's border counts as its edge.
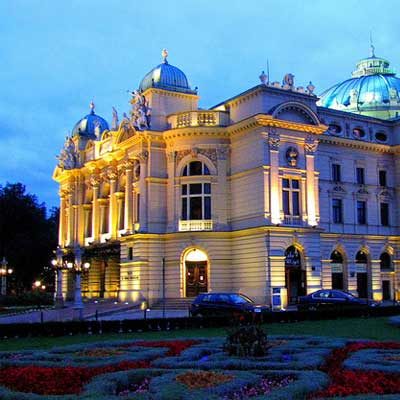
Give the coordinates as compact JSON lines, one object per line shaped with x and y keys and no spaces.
{"x":27,"y":236}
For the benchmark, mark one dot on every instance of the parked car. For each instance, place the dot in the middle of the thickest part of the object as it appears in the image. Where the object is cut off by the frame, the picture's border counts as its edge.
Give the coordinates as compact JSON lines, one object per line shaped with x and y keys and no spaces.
{"x":324,"y":299}
{"x":226,"y":304}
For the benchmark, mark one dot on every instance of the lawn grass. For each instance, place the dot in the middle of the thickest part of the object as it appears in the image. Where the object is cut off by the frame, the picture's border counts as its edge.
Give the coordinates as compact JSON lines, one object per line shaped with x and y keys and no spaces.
{"x":352,"y":328}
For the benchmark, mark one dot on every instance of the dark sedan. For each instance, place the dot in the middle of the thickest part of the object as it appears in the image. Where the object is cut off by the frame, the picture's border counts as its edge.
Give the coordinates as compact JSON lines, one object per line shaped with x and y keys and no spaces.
{"x":226,"y":304}
{"x":326,"y":299}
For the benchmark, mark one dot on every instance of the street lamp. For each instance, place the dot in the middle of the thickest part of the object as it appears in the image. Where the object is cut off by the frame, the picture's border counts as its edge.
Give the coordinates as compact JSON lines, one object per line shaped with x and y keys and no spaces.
{"x":58,"y":266}
{"x":78,"y":267}
{"x":4,"y":271}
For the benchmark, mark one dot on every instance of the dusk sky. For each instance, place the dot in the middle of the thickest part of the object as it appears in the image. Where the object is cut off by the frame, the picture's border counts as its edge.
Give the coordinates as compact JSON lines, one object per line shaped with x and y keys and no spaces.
{"x":57,"y":56}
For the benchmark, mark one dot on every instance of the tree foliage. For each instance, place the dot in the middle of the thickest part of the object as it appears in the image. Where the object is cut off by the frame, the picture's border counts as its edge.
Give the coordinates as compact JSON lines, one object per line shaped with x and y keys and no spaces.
{"x":27,"y":235}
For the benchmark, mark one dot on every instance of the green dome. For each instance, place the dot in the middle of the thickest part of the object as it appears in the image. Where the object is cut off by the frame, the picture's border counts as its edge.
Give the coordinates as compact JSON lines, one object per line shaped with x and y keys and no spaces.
{"x":373,"y":90}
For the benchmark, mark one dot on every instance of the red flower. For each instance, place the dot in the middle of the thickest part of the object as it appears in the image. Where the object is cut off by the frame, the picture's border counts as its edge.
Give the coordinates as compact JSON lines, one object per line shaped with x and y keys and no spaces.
{"x":175,"y":347}
{"x":352,"y":382}
{"x":58,"y":380}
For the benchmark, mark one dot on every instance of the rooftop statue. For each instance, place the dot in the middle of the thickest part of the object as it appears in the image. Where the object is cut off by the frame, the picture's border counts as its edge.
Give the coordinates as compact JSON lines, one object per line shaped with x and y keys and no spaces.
{"x":114,"y":124}
{"x":69,"y":156}
{"x":140,"y":111}
{"x":288,"y":80}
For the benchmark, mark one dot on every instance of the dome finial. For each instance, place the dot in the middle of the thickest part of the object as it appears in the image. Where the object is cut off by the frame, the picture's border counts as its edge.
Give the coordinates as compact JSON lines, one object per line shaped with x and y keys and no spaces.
{"x":164,"y":55}
{"x":371,"y":45}
{"x":92,"y":106}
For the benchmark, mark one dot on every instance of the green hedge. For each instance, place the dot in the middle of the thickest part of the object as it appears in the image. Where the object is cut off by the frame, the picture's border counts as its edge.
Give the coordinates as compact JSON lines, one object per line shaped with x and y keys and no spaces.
{"x":163,"y":385}
{"x":35,"y":298}
{"x":374,"y":359}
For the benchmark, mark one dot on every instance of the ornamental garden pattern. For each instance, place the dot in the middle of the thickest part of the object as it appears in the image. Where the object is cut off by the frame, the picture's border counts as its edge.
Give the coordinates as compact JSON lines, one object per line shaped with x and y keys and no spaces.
{"x":295,"y":367}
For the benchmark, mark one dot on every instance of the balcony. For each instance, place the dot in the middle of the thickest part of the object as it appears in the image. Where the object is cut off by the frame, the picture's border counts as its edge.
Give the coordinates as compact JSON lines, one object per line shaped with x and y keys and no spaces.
{"x":199,"y":118}
{"x":292,"y":220}
{"x":195,"y":225}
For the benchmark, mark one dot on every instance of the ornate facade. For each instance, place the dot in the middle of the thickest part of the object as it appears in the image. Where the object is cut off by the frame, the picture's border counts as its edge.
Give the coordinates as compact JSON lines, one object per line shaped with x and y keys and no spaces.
{"x":270,"y":189}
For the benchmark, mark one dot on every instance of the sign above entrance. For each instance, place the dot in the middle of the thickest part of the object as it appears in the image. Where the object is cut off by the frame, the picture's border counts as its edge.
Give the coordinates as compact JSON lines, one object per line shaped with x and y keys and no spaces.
{"x":292,"y":257}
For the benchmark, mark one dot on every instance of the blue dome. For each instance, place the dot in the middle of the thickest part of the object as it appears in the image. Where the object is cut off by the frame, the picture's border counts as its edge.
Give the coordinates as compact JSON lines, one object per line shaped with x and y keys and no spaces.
{"x":90,"y":126}
{"x":373,"y":90}
{"x":166,"y":76}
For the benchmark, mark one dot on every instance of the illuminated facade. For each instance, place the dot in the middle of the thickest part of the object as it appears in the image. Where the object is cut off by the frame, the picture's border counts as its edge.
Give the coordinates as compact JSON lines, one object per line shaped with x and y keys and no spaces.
{"x":267,"y":190}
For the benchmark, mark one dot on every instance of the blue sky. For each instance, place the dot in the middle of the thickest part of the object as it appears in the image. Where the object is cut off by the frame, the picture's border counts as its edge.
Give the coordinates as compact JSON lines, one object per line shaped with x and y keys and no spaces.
{"x":57,"y":56}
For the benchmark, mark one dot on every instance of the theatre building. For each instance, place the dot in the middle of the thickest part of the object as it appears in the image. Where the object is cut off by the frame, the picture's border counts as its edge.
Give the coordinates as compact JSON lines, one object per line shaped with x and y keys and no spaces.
{"x":273,"y":189}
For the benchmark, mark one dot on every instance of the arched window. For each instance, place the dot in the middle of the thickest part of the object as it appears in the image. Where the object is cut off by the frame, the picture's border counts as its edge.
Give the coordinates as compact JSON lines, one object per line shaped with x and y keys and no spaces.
{"x":386,"y":261}
{"x":196,"y":195}
{"x":195,"y":168}
{"x":336,"y":257}
{"x":361,"y":258}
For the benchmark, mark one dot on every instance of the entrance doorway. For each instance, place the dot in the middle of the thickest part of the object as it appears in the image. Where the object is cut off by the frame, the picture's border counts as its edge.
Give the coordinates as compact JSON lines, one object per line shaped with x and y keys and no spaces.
{"x":362,"y":274}
{"x":196,"y":278}
{"x":386,"y":295}
{"x":295,"y":275}
{"x":337,"y":270}
{"x":196,"y":273}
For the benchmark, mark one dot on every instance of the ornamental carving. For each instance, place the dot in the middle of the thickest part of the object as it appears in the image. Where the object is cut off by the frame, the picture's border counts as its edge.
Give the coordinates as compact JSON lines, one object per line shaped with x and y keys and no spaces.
{"x":94,"y":180}
{"x":126,"y":165}
{"x":310,"y":145}
{"x":274,"y":141}
{"x":171,"y":155}
{"x":112,"y":174}
{"x":209,"y":153}
{"x":143,"y":156}
{"x":291,"y":156}
{"x":222,"y":153}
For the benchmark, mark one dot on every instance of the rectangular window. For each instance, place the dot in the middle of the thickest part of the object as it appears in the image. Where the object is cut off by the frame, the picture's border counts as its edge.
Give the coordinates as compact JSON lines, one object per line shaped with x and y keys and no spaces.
{"x":130,"y":253}
{"x":195,"y":208}
{"x":291,"y":197}
{"x":360,"y":176}
{"x":336,"y":173}
{"x":195,"y":188}
{"x":286,"y":203}
{"x":207,"y":207}
{"x":184,"y":208}
{"x":382,"y":178}
{"x":337,"y":211}
{"x":384,"y":214}
{"x":361,"y":212}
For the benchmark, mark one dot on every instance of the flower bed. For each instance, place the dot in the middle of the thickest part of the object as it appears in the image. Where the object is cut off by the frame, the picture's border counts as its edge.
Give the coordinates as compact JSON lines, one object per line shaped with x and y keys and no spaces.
{"x":345,"y":382}
{"x":296,"y":367}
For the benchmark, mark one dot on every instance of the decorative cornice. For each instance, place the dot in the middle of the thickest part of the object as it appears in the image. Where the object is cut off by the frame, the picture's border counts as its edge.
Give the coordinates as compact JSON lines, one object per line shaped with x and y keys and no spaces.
{"x":359,"y":144}
{"x":269,"y":120}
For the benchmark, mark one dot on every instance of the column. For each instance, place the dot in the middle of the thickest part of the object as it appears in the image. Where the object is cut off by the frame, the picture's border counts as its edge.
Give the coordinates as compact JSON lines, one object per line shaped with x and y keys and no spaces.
{"x":274,"y":141}
{"x":61,"y":229}
{"x":310,"y":147}
{"x":112,"y":176}
{"x":327,"y":274}
{"x":219,"y":205}
{"x":128,"y":217}
{"x":143,"y":156}
{"x":375,"y":281}
{"x":95,"y":182}
{"x":70,"y":218}
{"x":171,"y":200}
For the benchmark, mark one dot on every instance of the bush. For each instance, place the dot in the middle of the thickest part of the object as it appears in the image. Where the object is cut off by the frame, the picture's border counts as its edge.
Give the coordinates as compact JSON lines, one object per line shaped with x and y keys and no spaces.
{"x":246,"y":341}
{"x":34,"y":298}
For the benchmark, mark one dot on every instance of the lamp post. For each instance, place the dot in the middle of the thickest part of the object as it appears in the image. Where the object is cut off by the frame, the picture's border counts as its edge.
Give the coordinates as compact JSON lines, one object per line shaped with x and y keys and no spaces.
{"x":78,"y":267}
{"x":59,"y":266}
{"x":4,"y":271}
